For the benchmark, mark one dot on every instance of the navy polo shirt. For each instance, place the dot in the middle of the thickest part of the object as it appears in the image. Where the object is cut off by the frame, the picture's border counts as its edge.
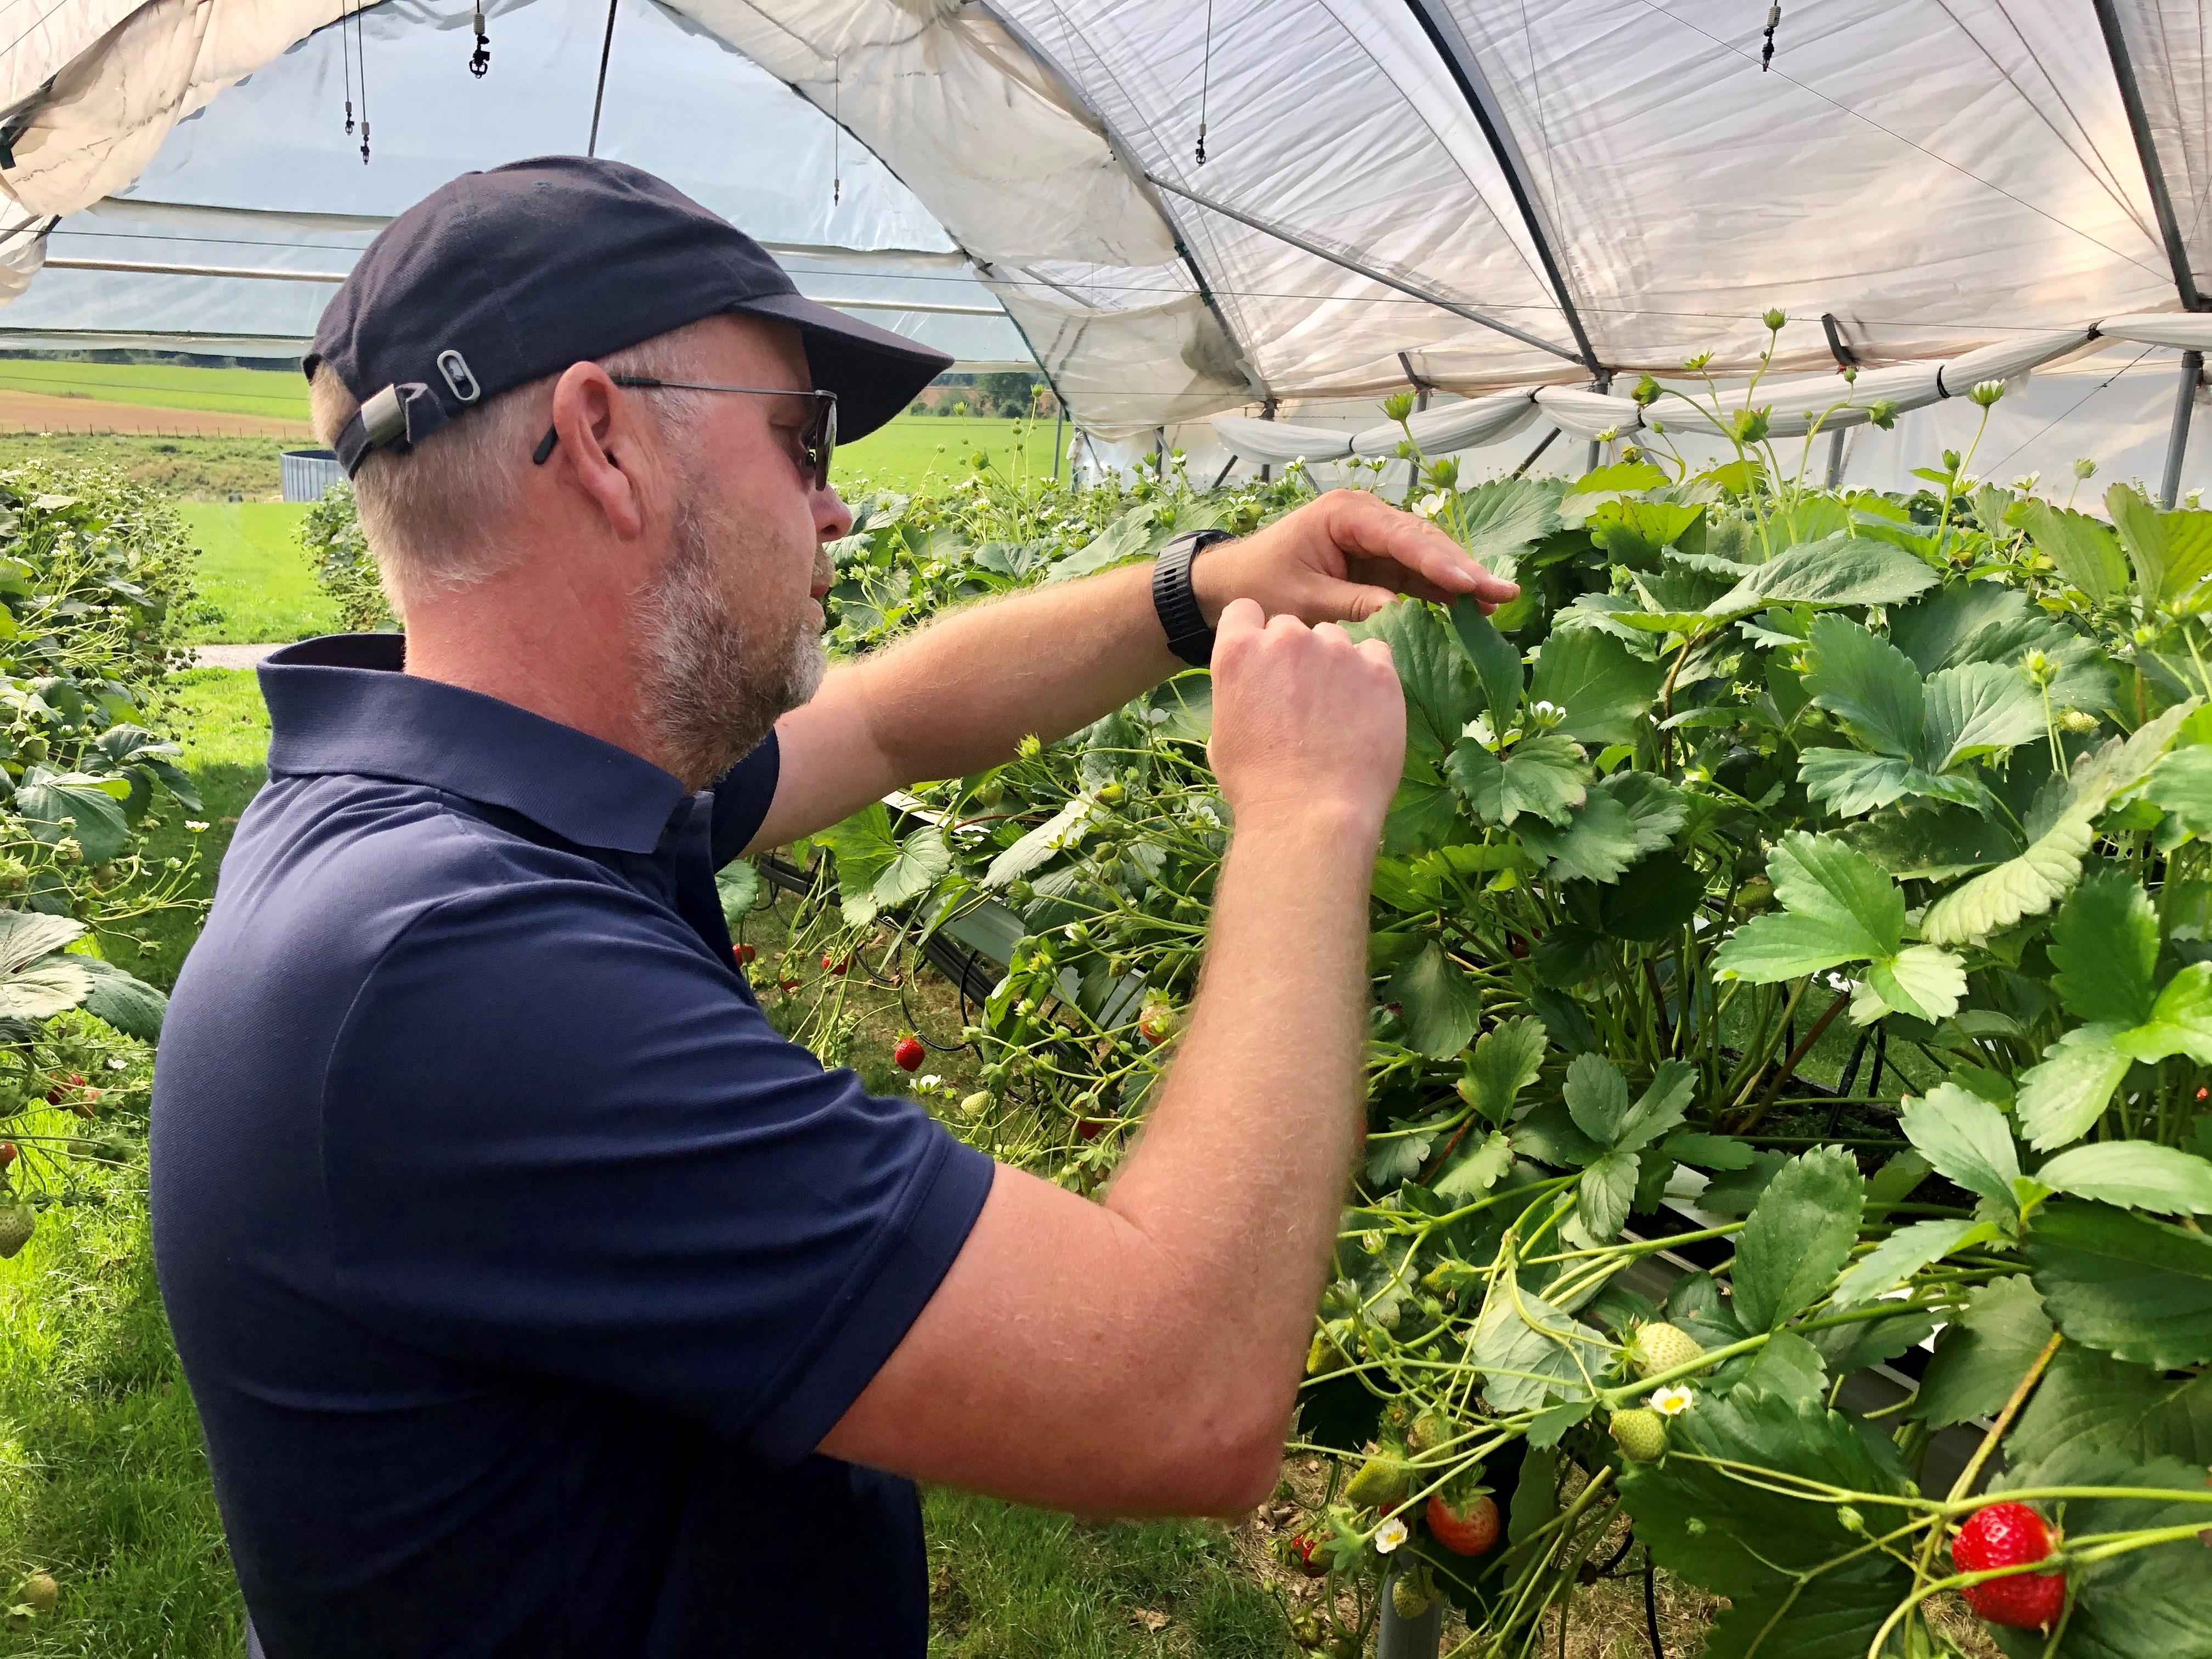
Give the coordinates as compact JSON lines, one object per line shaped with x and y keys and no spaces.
{"x":517,"y":1265}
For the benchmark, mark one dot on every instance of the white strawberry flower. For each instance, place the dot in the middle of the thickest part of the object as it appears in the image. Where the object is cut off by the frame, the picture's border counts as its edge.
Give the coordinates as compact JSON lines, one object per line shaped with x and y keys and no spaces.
{"x":1431,"y":504}
{"x":1389,"y":1535}
{"x":194,"y":825}
{"x":1672,"y":1401}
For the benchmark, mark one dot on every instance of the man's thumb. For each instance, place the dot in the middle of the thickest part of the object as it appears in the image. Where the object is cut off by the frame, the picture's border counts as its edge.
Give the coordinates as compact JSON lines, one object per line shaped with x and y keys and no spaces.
{"x":1352,"y":602}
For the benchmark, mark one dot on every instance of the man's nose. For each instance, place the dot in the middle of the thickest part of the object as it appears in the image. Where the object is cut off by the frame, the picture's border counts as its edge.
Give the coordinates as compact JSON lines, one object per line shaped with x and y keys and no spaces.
{"x":832,"y":517}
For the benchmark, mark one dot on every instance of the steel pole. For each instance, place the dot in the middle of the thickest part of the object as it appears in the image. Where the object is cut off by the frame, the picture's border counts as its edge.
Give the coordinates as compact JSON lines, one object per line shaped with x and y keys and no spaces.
{"x":2177,"y":446}
{"x":1836,"y":457}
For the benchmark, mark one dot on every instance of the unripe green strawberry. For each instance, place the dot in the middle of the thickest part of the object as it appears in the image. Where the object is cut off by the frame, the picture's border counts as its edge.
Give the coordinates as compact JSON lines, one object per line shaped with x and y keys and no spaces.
{"x":978,"y":1102}
{"x":1409,"y":1596}
{"x":1430,"y":1431}
{"x":1380,"y":1484}
{"x":40,"y":1592}
{"x":17,"y":1223}
{"x":1641,"y":1433}
{"x":1659,"y":1346}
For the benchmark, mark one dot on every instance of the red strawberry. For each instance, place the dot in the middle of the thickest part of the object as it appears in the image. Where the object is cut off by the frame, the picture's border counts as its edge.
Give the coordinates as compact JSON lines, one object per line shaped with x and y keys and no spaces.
{"x":744,"y":953}
{"x":836,"y":965}
{"x":6,"y":1153}
{"x":909,"y":1054}
{"x":787,"y":984}
{"x":1303,"y":1550}
{"x":2010,"y":1536}
{"x":1089,"y":1129}
{"x":1469,"y":1531}
{"x":1158,"y":1022}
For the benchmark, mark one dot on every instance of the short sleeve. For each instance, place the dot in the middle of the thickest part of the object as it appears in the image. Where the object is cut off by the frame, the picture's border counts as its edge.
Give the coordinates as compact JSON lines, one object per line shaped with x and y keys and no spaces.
{"x":742,"y":797}
{"x":558,"y":1140}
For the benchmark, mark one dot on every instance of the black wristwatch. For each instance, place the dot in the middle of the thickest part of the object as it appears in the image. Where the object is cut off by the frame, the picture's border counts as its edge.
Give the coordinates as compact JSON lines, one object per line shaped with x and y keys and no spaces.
{"x":1189,"y":636}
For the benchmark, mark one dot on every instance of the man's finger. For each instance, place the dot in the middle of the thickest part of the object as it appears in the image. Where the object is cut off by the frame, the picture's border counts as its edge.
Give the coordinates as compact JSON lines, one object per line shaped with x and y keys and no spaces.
{"x":1239,"y":617}
{"x":1379,"y":530}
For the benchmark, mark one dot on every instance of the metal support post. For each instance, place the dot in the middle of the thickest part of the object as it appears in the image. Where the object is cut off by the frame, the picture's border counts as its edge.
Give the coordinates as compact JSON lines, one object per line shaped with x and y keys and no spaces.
{"x":1059,"y":426}
{"x":2185,"y":405}
{"x":1836,"y":457}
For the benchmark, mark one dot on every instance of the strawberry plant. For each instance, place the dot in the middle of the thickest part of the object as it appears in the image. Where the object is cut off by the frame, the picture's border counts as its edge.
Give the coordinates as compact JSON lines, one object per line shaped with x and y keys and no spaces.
{"x":94,"y":574}
{"x":1809,"y":885}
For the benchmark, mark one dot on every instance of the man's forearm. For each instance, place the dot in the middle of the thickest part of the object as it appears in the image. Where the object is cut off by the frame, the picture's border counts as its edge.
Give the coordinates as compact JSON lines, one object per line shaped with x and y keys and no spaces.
{"x":1241,"y":1174}
{"x":962,"y":692}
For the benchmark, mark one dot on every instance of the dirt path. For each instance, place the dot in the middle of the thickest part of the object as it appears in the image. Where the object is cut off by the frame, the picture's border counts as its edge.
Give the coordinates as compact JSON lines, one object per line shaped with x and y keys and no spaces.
{"x":37,"y":411}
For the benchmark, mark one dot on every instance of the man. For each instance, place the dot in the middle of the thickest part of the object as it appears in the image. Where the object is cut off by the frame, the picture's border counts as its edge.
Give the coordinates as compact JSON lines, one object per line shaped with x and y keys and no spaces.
{"x":537,"y":1299}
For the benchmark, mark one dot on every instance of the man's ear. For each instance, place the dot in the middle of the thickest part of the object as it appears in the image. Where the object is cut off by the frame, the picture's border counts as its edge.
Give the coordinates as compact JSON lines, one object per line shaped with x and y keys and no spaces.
{"x":602,"y":454}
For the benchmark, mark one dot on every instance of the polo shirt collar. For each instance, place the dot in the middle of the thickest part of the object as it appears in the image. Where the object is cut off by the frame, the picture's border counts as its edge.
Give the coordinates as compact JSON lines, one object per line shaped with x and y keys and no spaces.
{"x":344,"y":704}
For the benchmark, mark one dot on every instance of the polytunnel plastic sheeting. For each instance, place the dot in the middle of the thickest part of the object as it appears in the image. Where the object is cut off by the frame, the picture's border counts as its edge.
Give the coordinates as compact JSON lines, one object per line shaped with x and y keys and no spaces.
{"x":2165,"y":43}
{"x":267,"y":178}
{"x":1935,"y":174}
{"x":1388,"y":186}
{"x":1276,"y":442}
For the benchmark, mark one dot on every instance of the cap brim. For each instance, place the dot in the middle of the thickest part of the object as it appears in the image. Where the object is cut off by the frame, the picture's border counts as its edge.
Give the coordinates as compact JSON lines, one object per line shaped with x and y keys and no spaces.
{"x":875,"y":373}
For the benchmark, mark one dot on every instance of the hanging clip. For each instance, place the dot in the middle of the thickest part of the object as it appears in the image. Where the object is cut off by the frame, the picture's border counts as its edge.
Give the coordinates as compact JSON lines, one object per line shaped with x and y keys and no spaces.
{"x":1773,"y":22}
{"x":1201,"y":144}
{"x":364,"y":141}
{"x":480,"y":59}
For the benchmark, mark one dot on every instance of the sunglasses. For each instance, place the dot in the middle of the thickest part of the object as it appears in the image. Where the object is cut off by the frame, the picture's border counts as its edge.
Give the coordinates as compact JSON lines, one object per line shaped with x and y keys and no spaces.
{"x":818,"y":436}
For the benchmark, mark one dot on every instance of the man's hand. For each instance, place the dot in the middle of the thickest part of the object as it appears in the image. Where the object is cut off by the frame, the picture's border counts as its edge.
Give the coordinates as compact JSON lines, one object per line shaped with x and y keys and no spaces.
{"x":1304,"y":720}
{"x":1341,"y":558}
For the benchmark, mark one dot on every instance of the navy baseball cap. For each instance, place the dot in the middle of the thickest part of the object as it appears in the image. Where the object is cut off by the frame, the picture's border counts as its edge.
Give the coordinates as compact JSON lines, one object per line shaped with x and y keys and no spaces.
{"x":503,"y":277}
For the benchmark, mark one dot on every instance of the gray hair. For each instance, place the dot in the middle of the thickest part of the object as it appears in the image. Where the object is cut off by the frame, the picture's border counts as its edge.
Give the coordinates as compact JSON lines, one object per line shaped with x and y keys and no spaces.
{"x":441,"y":516}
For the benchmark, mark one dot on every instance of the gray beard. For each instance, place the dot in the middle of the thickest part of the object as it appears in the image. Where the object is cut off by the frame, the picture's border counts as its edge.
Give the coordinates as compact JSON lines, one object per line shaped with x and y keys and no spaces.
{"x":710,"y":694}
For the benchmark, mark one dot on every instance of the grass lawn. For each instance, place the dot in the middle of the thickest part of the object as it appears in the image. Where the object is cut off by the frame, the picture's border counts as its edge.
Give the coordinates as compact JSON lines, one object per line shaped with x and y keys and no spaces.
{"x":255,"y":584}
{"x":103,"y":1482}
{"x":280,"y":392}
{"x":915,"y":451}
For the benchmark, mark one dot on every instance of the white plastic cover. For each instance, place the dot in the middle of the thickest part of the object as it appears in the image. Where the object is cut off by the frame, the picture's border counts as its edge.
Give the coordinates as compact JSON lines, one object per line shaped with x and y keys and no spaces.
{"x":1385,"y":185}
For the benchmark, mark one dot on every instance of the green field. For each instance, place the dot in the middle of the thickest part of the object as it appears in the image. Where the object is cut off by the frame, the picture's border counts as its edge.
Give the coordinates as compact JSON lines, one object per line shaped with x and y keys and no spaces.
{"x":280,"y":393}
{"x":915,"y":451}
{"x":255,"y":584}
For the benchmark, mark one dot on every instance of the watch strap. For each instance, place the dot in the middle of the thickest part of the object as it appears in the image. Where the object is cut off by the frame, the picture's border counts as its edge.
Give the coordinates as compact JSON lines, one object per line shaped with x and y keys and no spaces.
{"x":1189,"y":636}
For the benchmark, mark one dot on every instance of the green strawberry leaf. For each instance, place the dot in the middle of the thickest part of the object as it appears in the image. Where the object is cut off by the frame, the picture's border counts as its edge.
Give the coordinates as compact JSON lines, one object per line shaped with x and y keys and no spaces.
{"x":1441,"y":694}
{"x":1497,"y":664}
{"x":1505,"y":1061}
{"x":1661,"y":1106}
{"x":1604,"y":1194}
{"x":2181,"y":784}
{"x":2136,"y":1288}
{"x":1868,"y":684}
{"x":1529,"y":1352}
{"x":1597,"y":1098}
{"x":1837,"y":906}
{"x":1980,"y":1358}
{"x":1546,"y":776}
{"x":2085,"y":550}
{"x":1476,"y":1169}
{"x":1798,"y":1236}
{"x":1597,"y":845}
{"x":1749,"y":1542}
{"x":2104,"y":944}
{"x":2139,"y":1174}
{"x":27,"y":935}
{"x":1849,"y":784}
{"x":2180,"y":1020}
{"x":123,"y":999}
{"x":1499,"y":519}
{"x":46,"y":987}
{"x":1967,"y":1141}
{"x":1920,"y":980}
{"x":918,"y":863}
{"x":2060,"y":1098}
{"x":1904,"y":1254}
{"x":2093,"y":1400}
{"x":1977,"y":709}
{"x":1838,"y":570}
{"x":1605,"y":688}
{"x":1442,"y":1005}
{"x":2171,"y":551}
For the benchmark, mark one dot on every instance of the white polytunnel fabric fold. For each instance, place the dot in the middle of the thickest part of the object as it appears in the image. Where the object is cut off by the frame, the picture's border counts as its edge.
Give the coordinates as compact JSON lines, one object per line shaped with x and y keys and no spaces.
{"x":2185,"y":331}
{"x":1184,"y":211}
{"x":1455,"y":426}
{"x":1277,"y":442}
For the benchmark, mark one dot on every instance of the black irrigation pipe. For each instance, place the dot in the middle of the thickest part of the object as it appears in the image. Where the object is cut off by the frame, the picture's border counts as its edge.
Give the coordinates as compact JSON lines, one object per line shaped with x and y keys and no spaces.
{"x":970,"y":970}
